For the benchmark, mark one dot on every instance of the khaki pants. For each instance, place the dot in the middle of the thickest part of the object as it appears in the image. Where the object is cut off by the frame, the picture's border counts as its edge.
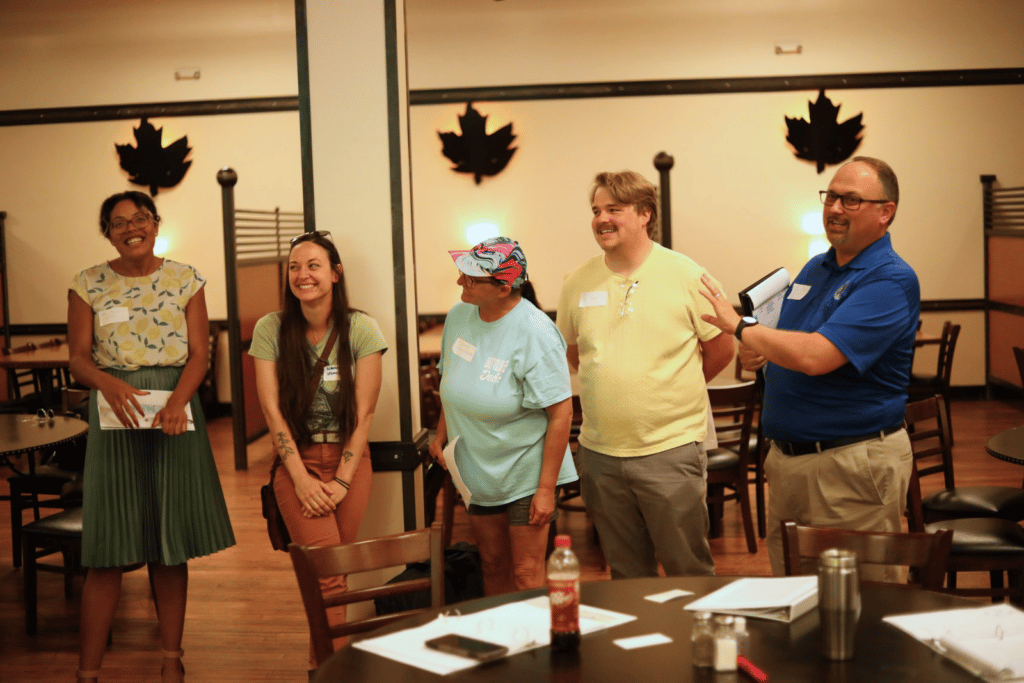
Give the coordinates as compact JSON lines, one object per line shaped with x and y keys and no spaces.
{"x":862,"y":486}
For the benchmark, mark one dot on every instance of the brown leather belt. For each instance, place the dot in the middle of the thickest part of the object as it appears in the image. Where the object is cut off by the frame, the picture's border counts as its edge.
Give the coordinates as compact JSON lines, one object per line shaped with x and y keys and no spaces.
{"x":806,"y":447}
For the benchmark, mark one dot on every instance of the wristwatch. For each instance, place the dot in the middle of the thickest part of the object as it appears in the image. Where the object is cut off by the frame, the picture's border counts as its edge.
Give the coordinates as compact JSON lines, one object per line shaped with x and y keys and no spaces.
{"x":745,"y":321}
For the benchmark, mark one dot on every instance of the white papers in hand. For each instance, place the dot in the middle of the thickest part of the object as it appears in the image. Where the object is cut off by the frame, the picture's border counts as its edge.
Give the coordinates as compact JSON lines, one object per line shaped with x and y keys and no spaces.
{"x":152,"y":403}
{"x":781,"y":598}
{"x":453,"y":469}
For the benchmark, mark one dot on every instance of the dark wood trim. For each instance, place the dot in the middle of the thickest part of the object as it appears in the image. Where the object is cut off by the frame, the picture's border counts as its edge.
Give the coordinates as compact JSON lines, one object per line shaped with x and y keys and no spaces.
{"x":1006,"y":308}
{"x":400,"y":280}
{"x":706,"y":86}
{"x":547,"y":91}
{"x":305,"y":121}
{"x":114,"y":112}
{"x":932,"y":305}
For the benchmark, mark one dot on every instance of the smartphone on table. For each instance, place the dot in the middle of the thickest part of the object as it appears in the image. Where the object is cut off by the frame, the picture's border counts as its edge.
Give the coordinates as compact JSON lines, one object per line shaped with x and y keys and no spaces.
{"x":463,"y":646}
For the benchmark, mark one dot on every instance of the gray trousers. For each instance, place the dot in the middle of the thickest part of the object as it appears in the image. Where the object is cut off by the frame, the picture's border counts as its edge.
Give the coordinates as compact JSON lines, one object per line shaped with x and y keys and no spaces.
{"x":650,"y":508}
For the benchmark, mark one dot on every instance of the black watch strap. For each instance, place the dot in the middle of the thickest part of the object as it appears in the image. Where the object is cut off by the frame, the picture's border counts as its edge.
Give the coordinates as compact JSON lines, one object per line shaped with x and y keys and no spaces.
{"x":745,"y":321}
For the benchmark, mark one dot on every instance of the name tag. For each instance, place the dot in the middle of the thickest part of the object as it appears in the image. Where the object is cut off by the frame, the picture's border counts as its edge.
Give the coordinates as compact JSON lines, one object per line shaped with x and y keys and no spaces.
{"x":464,"y":350}
{"x":798,"y":291}
{"x":591,"y":299}
{"x":330,"y":373}
{"x":113,"y":315}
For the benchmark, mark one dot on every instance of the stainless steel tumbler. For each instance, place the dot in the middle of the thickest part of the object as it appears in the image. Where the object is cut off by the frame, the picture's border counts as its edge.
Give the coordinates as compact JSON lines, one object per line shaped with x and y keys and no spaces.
{"x":838,"y":602}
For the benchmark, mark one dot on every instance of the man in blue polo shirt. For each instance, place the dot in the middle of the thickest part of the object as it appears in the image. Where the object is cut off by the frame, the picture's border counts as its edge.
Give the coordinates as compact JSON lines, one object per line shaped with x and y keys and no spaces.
{"x":836,"y":370}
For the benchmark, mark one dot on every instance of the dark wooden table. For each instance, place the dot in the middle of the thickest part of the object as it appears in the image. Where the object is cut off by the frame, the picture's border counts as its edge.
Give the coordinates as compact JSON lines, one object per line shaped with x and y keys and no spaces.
{"x":26,"y":433}
{"x":1008,"y":446}
{"x":789,"y":653}
{"x":44,"y":361}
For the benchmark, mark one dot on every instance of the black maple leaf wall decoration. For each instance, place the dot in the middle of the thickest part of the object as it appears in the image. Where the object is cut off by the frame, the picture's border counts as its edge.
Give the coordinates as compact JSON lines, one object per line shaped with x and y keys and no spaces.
{"x":475,"y":151}
{"x":151,"y":164}
{"x":824,"y":140}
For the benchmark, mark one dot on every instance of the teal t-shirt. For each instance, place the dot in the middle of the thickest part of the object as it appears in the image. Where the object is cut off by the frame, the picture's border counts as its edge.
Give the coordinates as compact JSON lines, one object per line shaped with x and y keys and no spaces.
{"x":496,"y":380}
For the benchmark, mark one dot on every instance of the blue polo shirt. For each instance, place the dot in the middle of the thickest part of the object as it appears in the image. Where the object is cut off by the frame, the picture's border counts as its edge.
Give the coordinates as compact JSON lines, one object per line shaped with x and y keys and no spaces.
{"x":869,"y":309}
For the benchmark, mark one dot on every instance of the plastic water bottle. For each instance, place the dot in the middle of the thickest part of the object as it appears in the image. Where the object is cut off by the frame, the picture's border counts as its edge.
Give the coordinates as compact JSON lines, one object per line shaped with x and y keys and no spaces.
{"x":564,"y":592}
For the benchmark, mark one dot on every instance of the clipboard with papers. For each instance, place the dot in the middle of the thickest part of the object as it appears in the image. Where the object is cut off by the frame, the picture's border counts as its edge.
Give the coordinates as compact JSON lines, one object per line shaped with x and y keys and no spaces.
{"x":764,"y":298}
{"x":783,"y":598}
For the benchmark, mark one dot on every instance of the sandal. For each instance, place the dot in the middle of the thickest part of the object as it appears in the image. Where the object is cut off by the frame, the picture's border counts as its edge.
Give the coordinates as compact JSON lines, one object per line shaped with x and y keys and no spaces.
{"x":175,"y":654}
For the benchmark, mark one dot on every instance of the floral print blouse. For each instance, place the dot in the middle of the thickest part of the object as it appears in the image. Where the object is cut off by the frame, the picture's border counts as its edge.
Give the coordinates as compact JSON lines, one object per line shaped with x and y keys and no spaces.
{"x":139,"y":321}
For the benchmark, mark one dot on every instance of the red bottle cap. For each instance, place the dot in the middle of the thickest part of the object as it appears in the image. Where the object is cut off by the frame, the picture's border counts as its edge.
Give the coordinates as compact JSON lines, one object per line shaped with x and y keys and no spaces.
{"x":563,"y":541}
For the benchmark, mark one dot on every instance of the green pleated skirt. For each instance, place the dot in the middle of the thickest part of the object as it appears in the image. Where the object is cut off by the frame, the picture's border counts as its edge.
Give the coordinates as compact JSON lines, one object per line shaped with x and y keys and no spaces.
{"x":150,"y":497}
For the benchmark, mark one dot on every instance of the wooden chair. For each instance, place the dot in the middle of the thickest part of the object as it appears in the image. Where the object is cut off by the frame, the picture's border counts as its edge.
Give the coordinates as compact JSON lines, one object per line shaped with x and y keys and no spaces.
{"x":925,"y":386}
{"x":987,"y":544}
{"x":314,"y":563}
{"x":924,"y":552}
{"x":931,"y":443}
{"x":758,"y":450}
{"x":61,"y":533}
{"x":732,"y":408}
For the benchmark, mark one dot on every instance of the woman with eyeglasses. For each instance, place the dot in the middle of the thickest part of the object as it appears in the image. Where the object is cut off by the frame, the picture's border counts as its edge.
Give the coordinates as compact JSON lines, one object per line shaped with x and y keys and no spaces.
{"x":138,"y":336}
{"x":506,"y":398}
{"x":318,"y":375}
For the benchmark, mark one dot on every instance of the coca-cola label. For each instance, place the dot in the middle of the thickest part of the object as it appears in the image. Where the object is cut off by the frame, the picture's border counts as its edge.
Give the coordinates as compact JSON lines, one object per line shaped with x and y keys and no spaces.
{"x":565,"y":605}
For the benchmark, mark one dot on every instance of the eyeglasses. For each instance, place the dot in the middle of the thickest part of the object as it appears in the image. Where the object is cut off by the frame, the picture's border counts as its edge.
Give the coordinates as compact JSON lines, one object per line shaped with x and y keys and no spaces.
{"x":326,"y":234}
{"x":471,"y":281}
{"x":139,"y":220}
{"x":850,"y":201}
{"x":627,"y":305}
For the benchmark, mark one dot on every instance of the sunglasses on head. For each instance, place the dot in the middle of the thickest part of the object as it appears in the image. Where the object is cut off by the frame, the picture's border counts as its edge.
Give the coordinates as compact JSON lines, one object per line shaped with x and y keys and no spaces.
{"x":326,"y":234}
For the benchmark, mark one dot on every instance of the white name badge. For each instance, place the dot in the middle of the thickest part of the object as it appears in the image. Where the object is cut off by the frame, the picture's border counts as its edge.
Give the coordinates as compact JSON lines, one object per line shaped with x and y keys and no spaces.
{"x":591,"y":299}
{"x":330,"y":373}
{"x":464,"y":350}
{"x":113,"y":315}
{"x":798,"y":291}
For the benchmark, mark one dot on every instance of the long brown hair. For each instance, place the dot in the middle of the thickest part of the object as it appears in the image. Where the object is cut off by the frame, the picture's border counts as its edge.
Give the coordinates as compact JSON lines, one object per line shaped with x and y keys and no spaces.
{"x":295,"y":361}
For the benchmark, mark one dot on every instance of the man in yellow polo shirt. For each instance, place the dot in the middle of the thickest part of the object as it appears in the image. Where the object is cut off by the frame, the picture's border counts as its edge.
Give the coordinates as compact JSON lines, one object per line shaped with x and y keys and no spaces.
{"x":631,"y":318}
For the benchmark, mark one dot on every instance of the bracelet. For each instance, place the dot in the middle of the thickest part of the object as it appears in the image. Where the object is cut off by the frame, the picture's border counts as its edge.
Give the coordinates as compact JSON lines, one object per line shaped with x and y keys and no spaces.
{"x":343,"y":483}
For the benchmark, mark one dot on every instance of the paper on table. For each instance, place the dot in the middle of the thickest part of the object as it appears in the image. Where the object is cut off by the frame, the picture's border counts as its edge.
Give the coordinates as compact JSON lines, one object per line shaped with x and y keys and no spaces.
{"x":152,"y":403}
{"x":519,"y":626}
{"x":987,"y":641}
{"x":453,"y":469}
{"x":642,"y":641}
{"x":782,"y":598}
{"x":764,"y":298}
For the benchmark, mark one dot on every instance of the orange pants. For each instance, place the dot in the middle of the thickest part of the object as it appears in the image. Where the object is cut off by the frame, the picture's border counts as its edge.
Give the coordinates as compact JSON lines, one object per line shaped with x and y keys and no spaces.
{"x":342,"y":526}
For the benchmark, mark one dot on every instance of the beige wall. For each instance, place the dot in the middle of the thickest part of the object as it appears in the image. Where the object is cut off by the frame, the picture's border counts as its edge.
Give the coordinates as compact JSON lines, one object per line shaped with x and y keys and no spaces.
{"x":738,"y":194}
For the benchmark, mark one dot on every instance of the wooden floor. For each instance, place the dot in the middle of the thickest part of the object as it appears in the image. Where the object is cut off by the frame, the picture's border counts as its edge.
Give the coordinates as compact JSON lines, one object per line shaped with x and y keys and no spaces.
{"x":245,"y":621}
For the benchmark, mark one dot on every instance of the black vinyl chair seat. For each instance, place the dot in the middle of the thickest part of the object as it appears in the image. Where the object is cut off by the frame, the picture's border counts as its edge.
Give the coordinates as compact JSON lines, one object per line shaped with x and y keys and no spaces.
{"x":1004,"y":502}
{"x":982,"y":536}
{"x":67,"y":524}
{"x":722,"y":459}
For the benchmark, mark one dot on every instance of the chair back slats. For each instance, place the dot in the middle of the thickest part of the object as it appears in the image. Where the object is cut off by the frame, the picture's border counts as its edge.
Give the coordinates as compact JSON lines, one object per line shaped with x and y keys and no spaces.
{"x":314,"y":563}
{"x":947,"y":347}
{"x":927,"y":553}
{"x":928,"y":427}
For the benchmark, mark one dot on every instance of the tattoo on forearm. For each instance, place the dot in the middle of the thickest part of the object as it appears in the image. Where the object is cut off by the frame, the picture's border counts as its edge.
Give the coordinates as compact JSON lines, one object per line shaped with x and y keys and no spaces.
{"x":348,"y":455}
{"x":284,"y":446}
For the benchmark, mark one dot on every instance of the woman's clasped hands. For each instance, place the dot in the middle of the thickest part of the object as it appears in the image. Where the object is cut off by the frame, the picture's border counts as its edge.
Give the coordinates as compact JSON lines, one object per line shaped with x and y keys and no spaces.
{"x":317,"y":497}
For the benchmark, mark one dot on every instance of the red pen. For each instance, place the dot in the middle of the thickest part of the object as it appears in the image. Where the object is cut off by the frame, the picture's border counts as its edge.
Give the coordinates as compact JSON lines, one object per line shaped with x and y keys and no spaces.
{"x":747,"y":667}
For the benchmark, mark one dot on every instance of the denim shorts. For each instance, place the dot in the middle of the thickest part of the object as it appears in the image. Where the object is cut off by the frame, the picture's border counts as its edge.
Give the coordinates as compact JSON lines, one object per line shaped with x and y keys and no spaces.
{"x":518,"y":511}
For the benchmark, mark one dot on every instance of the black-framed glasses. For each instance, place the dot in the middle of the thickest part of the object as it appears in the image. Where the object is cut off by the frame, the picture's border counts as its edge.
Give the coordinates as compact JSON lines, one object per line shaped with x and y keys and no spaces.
{"x":850,"y":201}
{"x":326,"y":234}
{"x":139,"y":220}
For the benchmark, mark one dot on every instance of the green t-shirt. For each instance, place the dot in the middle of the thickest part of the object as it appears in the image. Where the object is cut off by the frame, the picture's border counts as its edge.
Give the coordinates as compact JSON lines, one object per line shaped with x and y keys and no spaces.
{"x":364,"y":338}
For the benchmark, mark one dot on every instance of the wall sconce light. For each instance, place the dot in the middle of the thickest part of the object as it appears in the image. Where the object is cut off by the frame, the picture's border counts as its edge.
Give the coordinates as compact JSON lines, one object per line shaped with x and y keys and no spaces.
{"x":478,"y":232}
